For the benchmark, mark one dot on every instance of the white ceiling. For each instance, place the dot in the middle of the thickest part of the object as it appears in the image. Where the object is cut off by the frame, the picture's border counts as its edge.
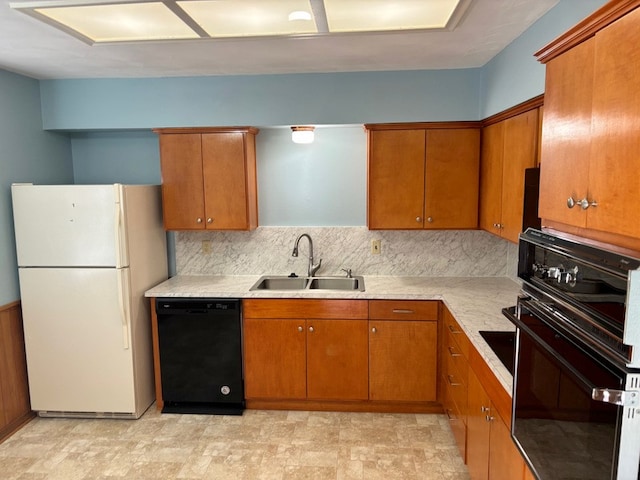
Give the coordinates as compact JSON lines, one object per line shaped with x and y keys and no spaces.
{"x":38,"y":50}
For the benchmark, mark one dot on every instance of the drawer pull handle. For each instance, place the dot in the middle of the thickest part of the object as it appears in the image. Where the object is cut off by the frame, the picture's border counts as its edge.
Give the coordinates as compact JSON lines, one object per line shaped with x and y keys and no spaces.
{"x":453,"y":330}
{"x":402,"y":310}
{"x":452,"y":352}
{"x":452,"y":382}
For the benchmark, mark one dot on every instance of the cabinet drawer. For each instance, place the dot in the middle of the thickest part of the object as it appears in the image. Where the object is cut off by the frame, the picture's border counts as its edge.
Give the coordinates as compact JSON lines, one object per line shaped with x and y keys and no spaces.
{"x":453,"y":353}
{"x":403,"y":310}
{"x":455,"y":382}
{"x":456,"y":422}
{"x":456,"y":333}
{"x":303,"y":308}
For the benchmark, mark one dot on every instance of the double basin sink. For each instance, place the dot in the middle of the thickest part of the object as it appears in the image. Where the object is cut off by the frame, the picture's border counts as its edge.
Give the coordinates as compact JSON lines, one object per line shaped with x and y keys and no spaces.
{"x":275,"y":282}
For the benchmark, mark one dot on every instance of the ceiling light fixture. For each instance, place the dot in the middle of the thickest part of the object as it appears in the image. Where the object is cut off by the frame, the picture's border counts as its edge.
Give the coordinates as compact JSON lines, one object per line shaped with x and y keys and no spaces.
{"x":112,"y":21}
{"x":299,"y":15}
{"x":302,"y":134}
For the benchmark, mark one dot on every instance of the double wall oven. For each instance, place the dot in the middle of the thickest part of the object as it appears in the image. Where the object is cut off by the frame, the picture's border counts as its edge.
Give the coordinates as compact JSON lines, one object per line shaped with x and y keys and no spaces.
{"x":576,"y":394}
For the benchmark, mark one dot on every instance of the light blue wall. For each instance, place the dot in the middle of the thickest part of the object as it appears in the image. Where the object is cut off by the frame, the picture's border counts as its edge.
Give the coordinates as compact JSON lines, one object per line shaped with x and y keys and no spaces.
{"x":515,"y":75}
{"x":130,"y":157}
{"x":320,"y":184}
{"x":27,"y":154}
{"x":262,"y":100}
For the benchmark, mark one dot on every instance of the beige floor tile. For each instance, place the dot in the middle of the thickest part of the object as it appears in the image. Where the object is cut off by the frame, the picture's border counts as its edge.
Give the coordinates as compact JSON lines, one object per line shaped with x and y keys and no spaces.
{"x":259,"y":445}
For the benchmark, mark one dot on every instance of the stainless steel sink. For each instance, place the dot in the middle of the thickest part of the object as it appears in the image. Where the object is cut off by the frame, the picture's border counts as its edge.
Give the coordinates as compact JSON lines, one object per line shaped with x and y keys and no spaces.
{"x":337,"y":283}
{"x":276,"y":282}
{"x":280,"y":283}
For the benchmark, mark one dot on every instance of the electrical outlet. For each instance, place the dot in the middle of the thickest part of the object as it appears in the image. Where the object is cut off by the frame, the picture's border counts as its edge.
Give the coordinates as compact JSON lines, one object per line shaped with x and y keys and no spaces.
{"x":206,"y":247}
{"x":375,"y":247}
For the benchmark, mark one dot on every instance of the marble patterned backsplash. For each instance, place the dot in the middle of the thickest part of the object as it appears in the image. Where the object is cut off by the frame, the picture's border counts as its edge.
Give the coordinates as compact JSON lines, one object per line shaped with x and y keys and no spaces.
{"x":267,"y":250}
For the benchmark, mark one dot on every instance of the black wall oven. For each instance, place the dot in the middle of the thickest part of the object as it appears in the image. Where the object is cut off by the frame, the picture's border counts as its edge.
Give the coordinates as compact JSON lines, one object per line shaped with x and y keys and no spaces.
{"x":576,"y":394}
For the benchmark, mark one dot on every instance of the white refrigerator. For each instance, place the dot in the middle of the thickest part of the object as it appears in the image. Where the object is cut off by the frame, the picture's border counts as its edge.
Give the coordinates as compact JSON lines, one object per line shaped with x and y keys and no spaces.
{"x":86,"y":255}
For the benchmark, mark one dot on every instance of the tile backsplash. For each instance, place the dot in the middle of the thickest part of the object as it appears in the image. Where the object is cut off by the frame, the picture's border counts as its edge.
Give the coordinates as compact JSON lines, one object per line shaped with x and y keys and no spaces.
{"x":267,"y":250}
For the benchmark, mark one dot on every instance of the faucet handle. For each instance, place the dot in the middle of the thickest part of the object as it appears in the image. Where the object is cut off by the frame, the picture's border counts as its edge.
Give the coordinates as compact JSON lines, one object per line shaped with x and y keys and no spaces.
{"x":348,"y":271}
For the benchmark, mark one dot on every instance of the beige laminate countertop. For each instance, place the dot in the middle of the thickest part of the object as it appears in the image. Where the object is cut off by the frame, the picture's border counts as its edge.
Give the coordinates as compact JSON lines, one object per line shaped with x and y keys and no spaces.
{"x":475,"y":302}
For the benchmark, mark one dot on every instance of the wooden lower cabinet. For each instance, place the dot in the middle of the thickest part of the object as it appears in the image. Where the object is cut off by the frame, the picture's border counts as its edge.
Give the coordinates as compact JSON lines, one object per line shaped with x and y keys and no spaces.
{"x":337,"y":360}
{"x":305,"y":349}
{"x":491,"y":453}
{"x":402,"y":360}
{"x":355,"y":355}
{"x":15,"y":408}
{"x":403,"y":350}
{"x":275,"y":358}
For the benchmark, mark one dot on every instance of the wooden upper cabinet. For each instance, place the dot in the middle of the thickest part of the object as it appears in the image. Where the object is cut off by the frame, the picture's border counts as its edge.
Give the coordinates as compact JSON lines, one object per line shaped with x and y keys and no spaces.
{"x":566,"y":135}
{"x":396,"y":179}
{"x":590,"y":128}
{"x":209,"y":178}
{"x":509,"y":147}
{"x":614,"y":178}
{"x":423,"y":176}
{"x":452,"y":178}
{"x":491,"y":177}
{"x":182,"y":187}
{"x":520,"y":153}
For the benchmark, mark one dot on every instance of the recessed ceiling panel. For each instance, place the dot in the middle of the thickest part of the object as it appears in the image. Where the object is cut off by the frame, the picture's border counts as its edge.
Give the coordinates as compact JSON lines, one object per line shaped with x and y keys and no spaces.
{"x":124,"y":22}
{"x":239,"y":18}
{"x":385,"y":15}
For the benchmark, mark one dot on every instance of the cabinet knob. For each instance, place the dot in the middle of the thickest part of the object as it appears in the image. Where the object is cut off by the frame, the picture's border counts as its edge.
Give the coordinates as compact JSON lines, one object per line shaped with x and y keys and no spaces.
{"x":300,"y":329}
{"x":484,"y":409}
{"x":419,"y":219}
{"x":374,"y":330}
{"x":489,"y":418}
{"x":430,"y":219}
{"x":584,"y":203}
{"x":198,"y":220}
{"x":571,"y":202}
{"x":311,"y":329}
{"x":209,"y":220}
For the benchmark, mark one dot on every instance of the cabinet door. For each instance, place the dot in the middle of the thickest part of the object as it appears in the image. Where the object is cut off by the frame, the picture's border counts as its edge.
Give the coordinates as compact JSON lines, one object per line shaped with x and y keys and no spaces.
{"x":182,"y":189}
{"x":396,"y":179}
{"x":225,"y":181}
{"x":520,"y":153}
{"x":14,"y":390}
{"x":614,"y":177}
{"x":452,"y":178}
{"x":402,"y":360}
{"x":478,"y":429}
{"x":491,"y":177}
{"x":505,"y":460}
{"x":566,"y":134}
{"x":337,"y":361}
{"x":274,"y":358}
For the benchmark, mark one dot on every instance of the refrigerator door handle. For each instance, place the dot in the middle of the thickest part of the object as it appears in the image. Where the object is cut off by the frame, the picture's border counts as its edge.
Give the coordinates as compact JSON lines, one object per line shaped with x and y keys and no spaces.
{"x":125,"y":305}
{"x":122,"y":259}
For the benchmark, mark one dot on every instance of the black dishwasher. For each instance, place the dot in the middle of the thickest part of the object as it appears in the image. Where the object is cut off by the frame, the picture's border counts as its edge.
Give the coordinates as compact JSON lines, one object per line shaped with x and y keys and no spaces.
{"x":200,"y":346}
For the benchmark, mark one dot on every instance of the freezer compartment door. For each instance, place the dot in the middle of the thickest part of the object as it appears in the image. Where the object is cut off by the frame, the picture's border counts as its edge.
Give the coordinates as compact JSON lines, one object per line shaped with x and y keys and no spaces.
{"x":77,"y":340}
{"x":70,"y":225}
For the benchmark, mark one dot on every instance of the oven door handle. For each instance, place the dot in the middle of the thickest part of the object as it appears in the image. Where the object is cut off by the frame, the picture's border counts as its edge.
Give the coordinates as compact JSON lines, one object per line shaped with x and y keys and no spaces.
{"x":600,"y":394}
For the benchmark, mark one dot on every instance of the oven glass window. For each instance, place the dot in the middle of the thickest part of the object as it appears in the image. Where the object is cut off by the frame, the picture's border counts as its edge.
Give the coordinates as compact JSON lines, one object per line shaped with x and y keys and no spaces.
{"x":560,"y":429}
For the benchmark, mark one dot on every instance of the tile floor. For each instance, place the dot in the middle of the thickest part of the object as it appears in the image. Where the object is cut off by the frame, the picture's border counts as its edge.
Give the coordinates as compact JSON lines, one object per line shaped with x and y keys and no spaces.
{"x":270,"y":445}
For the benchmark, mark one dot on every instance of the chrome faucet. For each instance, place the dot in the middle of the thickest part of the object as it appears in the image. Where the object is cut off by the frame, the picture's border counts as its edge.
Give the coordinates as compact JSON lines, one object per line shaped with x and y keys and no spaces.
{"x":312,"y":268}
